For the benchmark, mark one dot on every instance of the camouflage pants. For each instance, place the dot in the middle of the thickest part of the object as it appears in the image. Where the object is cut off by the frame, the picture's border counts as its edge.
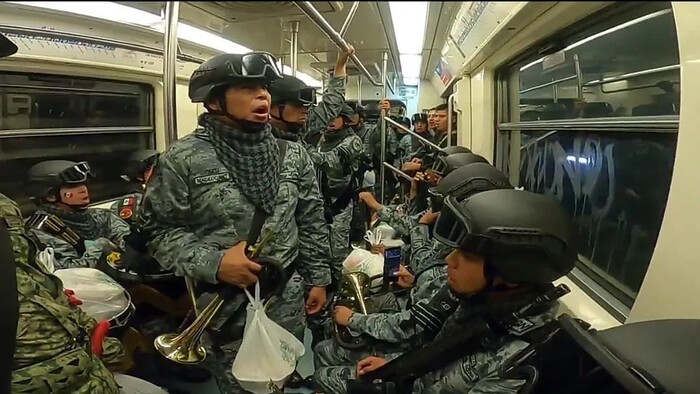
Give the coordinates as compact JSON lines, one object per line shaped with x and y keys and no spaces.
{"x":335,"y":365}
{"x":287,"y":311}
{"x":339,"y":234}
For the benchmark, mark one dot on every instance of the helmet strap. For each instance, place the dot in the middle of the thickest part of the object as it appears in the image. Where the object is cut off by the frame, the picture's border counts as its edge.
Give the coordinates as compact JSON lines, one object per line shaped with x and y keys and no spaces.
{"x":291,"y":127}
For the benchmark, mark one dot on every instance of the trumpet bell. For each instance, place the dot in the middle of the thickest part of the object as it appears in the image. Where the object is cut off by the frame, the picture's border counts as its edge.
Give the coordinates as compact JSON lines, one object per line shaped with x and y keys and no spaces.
{"x":171,"y":347}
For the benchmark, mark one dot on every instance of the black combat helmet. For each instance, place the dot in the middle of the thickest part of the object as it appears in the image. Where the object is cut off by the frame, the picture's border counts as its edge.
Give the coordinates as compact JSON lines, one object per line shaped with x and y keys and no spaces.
{"x":404,"y":121}
{"x":466,"y":181}
{"x":46,"y":177}
{"x":138,"y":163}
{"x":446,"y":164}
{"x":419,"y":117}
{"x":222,"y":71}
{"x":454,"y":149}
{"x":292,"y":90}
{"x":525,"y":238}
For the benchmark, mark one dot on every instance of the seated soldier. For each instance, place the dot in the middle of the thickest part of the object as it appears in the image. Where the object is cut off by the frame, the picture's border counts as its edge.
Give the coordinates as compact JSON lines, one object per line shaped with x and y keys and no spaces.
{"x":460,"y":184}
{"x":78,"y":235}
{"x":506,"y":254}
{"x":138,"y":170}
{"x":404,"y":218}
{"x":429,"y":275}
{"x":58,"y":348}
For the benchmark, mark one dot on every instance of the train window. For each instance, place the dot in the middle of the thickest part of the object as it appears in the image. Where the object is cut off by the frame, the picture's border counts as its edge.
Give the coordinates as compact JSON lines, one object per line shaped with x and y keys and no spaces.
{"x":594,"y":124}
{"x":53,"y":117}
{"x":35,"y":101}
{"x":624,"y":67}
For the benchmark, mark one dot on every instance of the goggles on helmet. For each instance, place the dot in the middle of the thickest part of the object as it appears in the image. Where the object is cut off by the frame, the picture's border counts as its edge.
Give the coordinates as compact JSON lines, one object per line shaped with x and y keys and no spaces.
{"x":79,"y":173}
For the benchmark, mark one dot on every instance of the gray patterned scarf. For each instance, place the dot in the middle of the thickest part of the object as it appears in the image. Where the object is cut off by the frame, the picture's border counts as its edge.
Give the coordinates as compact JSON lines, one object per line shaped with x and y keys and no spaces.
{"x":79,"y":220}
{"x":250,"y":157}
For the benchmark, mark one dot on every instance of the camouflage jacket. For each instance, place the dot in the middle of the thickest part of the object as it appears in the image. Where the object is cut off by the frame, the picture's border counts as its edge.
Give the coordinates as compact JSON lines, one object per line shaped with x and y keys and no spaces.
{"x":52,"y":352}
{"x":399,"y":327}
{"x":405,"y":150}
{"x":108,"y":234}
{"x":339,"y":162}
{"x":193,"y":212}
{"x":424,"y":250}
{"x":403,"y":217}
{"x":127,"y":206}
{"x":478,"y":372}
{"x":327,"y":110}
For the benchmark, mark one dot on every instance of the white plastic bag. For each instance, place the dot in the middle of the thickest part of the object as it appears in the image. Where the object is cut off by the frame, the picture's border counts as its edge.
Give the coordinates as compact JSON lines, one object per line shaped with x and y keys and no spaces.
{"x":268,"y":352}
{"x":103,"y":298}
{"x":366,"y":262}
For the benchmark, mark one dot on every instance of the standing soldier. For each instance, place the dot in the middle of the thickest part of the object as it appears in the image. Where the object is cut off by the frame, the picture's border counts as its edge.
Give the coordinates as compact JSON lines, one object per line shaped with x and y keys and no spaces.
{"x":293,"y":104}
{"x":337,"y":159}
{"x":138,"y":170}
{"x":210,"y":187}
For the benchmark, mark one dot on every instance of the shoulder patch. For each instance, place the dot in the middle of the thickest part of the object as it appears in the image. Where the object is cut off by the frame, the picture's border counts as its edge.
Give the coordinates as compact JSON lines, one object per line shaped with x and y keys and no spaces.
{"x":212,"y":178}
{"x":126,"y":213}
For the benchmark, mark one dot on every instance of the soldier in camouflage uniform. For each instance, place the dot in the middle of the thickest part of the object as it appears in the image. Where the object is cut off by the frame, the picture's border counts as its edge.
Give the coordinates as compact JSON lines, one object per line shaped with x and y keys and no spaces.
{"x":138,"y":170}
{"x":405,"y":146}
{"x":294,"y":114}
{"x":337,"y":160}
{"x":55,"y":349}
{"x":60,"y":190}
{"x":491,"y":276}
{"x":200,"y":202}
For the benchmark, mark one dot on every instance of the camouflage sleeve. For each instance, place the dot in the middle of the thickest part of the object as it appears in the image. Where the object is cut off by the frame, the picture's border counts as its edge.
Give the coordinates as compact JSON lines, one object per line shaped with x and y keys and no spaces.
{"x":420,"y":245}
{"x":397,"y":219}
{"x":112,"y":351}
{"x":475,"y":374}
{"x":118,"y":228}
{"x":405,"y":146}
{"x":348,"y":151}
{"x":66,"y":255}
{"x":165,"y":213}
{"x":428,"y":283}
{"x":313,"y":235}
{"x":329,"y":108}
{"x":391,"y":327}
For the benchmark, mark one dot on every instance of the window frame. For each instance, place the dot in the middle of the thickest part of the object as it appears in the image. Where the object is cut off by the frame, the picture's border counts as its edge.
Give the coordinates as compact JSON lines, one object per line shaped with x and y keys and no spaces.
{"x":57,"y":132}
{"x":598,"y":285}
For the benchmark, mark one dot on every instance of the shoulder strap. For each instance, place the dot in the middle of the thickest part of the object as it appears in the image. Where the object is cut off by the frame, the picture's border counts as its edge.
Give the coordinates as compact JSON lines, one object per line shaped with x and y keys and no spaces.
{"x":259,"y":215}
{"x":9,"y":308}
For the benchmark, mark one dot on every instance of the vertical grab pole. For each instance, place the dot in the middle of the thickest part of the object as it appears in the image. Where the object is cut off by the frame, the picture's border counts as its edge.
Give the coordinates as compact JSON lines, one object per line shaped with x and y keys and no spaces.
{"x":172,"y":15}
{"x":172,"y":11}
{"x":450,"y":109}
{"x":359,"y":89}
{"x":579,"y":76}
{"x":294,"y":49}
{"x":382,"y":170}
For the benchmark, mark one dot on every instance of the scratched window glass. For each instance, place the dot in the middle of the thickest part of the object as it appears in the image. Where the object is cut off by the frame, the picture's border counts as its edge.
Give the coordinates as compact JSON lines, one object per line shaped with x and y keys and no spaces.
{"x":106,"y":153}
{"x":37,"y":101}
{"x":624,"y":66}
{"x":615,"y":184}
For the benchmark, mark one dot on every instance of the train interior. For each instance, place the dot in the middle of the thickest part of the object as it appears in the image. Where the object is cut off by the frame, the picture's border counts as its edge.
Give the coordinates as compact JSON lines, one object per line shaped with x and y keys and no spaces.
{"x":580,"y":101}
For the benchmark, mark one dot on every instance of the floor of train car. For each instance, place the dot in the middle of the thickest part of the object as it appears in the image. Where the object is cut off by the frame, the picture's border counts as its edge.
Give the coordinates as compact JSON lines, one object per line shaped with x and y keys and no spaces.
{"x":305,"y":368}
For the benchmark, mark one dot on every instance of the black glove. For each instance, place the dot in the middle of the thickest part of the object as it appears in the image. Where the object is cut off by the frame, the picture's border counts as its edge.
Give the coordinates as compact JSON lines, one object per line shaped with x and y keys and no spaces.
{"x":137,"y":240}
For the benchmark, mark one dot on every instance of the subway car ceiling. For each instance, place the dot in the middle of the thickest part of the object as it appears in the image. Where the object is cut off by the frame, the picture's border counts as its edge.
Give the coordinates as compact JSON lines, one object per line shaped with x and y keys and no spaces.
{"x":516,"y":73}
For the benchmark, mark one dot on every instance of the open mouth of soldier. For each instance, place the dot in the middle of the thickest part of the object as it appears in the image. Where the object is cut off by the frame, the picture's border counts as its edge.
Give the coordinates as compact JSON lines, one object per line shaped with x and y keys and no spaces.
{"x":261,"y":113}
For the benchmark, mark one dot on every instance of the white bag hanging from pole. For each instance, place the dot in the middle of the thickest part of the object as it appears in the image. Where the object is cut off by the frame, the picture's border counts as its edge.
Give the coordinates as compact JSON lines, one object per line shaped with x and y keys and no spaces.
{"x":268,"y":352}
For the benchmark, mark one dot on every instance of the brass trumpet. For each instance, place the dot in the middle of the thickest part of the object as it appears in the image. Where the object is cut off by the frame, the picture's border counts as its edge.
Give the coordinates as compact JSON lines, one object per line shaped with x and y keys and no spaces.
{"x":352,"y":292}
{"x":186,"y":347}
